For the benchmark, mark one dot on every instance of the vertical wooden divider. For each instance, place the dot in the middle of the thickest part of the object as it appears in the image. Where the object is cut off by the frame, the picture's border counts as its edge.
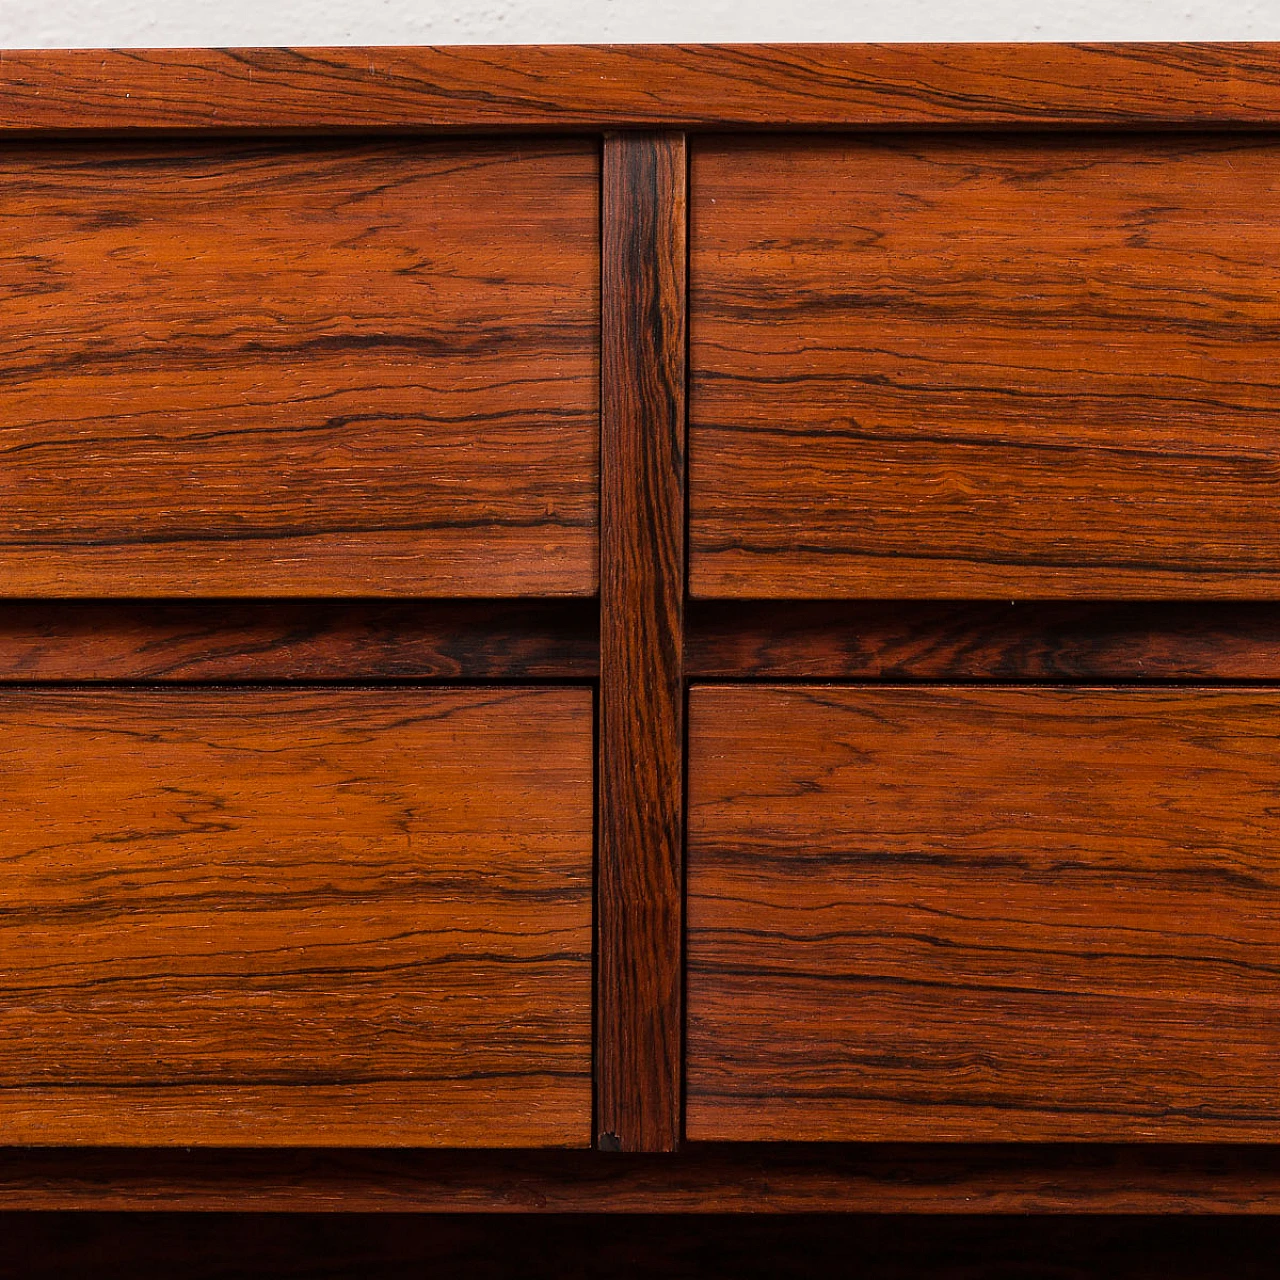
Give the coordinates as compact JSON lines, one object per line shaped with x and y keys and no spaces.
{"x":641,"y":737}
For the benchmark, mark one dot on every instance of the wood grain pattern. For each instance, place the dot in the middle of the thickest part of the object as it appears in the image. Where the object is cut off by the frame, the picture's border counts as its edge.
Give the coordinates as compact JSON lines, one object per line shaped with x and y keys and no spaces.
{"x":988,"y":640}
{"x":287,"y":368}
{"x":262,"y":917}
{"x":982,"y":367}
{"x":247,"y":640}
{"x":640,"y":871}
{"x":639,"y":86}
{"x":736,"y":1178}
{"x":983,"y":914}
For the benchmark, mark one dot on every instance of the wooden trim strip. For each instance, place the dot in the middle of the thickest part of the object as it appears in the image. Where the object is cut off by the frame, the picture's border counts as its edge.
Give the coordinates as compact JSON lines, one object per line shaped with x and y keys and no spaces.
{"x":475,"y":89}
{"x":981,"y":640}
{"x":640,"y":877}
{"x":963,"y":1179}
{"x":220,"y":640}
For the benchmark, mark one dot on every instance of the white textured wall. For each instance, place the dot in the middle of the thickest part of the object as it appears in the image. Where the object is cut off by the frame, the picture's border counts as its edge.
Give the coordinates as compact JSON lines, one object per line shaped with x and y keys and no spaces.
{"x":95,"y":23}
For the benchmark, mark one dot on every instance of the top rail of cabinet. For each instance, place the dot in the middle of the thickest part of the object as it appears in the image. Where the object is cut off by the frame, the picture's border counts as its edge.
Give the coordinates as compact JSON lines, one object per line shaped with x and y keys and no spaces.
{"x":440,"y":89}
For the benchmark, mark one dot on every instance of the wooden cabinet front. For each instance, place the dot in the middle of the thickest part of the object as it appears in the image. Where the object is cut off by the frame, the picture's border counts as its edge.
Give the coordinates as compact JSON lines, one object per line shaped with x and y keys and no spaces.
{"x":641,"y":598}
{"x":272,"y":917}
{"x":942,"y":913}
{"x":285,"y":367}
{"x":984,"y":367}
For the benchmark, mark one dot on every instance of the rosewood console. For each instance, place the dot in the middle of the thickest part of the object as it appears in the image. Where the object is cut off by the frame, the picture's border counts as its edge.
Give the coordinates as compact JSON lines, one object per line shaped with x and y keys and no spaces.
{"x":641,"y":628}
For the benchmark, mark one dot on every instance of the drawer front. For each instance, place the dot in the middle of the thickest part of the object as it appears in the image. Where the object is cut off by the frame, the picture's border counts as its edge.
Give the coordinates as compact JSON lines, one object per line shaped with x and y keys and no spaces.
{"x":985,"y":368}
{"x":983,"y":914}
{"x":296,"y":368}
{"x":266,"y":917}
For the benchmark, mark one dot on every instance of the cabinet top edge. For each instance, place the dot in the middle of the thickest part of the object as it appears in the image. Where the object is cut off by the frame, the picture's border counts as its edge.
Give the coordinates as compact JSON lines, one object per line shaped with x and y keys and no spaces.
{"x":488,"y":88}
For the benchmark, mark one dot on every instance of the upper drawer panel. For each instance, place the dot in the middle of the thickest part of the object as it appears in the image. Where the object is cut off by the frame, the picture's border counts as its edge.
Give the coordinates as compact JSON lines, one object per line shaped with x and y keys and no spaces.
{"x":985,"y":368}
{"x":288,"y":368}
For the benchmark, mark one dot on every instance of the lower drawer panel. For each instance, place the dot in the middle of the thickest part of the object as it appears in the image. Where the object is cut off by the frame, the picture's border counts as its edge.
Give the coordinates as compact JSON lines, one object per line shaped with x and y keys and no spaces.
{"x":983,"y":913}
{"x":296,"y":917}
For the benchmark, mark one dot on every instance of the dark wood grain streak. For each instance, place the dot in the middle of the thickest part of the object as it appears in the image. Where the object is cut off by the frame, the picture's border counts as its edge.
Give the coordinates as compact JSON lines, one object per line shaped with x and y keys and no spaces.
{"x":983,"y":914}
{"x":673,"y":86}
{"x":239,"y":640}
{"x":702,"y":1178}
{"x":639,"y":865}
{"x":987,"y":640}
{"x":269,"y":917}
{"x":985,"y":368}
{"x":299,"y":369}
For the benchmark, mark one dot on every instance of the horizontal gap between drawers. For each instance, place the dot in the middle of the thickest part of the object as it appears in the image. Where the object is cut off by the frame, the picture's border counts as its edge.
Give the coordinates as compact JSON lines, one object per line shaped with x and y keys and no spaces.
{"x":460,"y":641}
{"x":268,"y":641}
{"x":967,"y":641}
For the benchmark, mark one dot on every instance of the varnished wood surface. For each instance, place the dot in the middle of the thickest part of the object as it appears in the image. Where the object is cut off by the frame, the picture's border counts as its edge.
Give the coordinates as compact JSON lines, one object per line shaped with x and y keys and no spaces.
{"x":247,"y":640}
{"x":368,"y":366}
{"x":983,"y":914}
{"x":639,"y":881}
{"x":737,"y":1178}
{"x":286,"y":368}
{"x":987,"y":640}
{"x":674,"y":86}
{"x":267,"y":917}
{"x":985,"y":367}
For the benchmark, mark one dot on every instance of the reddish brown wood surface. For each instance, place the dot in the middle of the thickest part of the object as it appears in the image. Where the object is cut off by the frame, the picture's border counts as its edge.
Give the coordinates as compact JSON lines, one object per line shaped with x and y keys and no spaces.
{"x":639,"y":884}
{"x":261,"y":917}
{"x":286,"y":368}
{"x":229,"y":640}
{"x":601,"y":86}
{"x":974,"y":367}
{"x":965,"y":367}
{"x":983,"y":914}
{"x":985,"y":640}
{"x":736,"y":1178}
